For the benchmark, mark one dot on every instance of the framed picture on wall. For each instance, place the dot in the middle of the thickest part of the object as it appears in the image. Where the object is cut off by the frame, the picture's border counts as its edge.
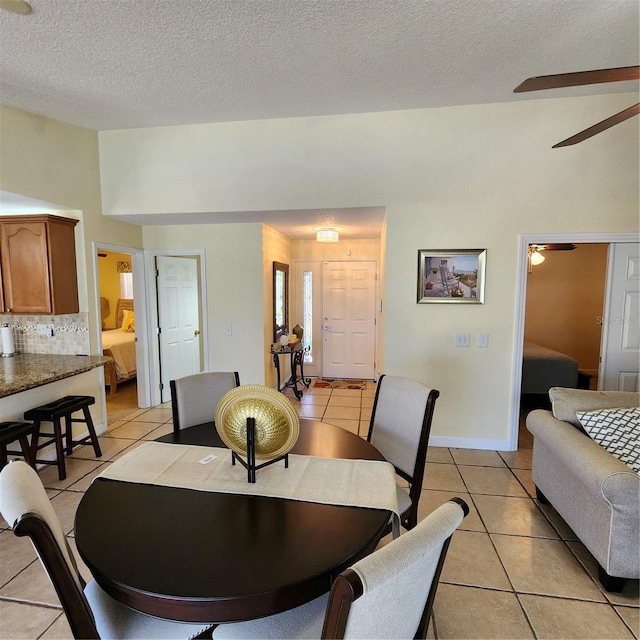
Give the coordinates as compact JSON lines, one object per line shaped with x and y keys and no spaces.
{"x":454,"y":276}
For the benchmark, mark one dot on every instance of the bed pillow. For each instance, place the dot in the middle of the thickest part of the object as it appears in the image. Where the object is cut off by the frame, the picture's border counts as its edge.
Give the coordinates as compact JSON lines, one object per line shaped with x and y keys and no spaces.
{"x":128,"y":321}
{"x":617,"y":430}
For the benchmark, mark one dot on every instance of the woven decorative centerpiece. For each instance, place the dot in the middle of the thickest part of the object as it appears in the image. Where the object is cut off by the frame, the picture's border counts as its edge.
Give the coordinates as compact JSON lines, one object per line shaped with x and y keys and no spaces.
{"x":255,"y":421}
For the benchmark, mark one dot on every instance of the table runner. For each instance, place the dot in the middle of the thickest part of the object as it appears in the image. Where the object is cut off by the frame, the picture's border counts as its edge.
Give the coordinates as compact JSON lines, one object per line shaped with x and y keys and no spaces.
{"x":336,"y":481}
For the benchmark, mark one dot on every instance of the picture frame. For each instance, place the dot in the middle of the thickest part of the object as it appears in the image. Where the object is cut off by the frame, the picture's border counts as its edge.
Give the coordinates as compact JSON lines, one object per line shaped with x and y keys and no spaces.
{"x":451,"y":276}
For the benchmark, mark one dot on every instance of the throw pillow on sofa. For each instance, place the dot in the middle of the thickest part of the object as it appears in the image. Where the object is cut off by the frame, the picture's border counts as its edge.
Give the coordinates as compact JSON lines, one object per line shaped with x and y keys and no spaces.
{"x":617,"y":430}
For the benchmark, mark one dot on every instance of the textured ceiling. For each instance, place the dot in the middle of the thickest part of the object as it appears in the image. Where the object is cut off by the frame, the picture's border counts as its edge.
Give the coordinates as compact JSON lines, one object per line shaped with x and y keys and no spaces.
{"x":113,"y":64}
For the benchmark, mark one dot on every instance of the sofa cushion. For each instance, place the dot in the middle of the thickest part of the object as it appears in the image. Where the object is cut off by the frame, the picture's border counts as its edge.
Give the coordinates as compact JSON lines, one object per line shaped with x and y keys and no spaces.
{"x":617,"y":430}
{"x":566,"y":402}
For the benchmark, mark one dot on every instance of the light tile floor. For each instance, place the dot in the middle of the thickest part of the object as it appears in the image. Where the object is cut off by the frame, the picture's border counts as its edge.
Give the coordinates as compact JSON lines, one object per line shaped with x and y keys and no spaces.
{"x":514,"y":568}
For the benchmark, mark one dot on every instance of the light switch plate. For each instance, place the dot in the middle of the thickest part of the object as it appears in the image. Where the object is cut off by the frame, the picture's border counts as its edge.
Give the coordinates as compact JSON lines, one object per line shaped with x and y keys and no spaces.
{"x":463,"y":339}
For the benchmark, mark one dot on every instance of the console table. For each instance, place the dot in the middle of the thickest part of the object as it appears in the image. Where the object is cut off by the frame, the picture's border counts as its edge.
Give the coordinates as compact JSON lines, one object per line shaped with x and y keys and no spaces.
{"x":296,"y":353}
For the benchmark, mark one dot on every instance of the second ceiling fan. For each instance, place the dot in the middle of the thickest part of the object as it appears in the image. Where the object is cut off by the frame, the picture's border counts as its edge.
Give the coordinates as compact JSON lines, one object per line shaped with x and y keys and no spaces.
{"x":578,"y":78}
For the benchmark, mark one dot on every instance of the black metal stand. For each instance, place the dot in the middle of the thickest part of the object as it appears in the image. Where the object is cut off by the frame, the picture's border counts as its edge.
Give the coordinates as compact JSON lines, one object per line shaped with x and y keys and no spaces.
{"x":250,"y":463}
{"x":297,"y":360}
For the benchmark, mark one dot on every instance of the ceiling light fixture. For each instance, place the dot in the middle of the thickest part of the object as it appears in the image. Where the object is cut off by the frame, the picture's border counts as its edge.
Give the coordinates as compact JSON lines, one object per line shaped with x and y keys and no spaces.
{"x":534,"y":256}
{"x":15,"y":6}
{"x":327,"y":235}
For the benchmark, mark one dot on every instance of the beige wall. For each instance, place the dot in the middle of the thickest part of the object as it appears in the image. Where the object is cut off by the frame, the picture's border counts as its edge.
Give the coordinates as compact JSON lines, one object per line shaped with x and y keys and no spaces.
{"x":276,"y":248}
{"x":565,"y":299}
{"x":234,"y":291}
{"x":109,"y":282}
{"x":464,"y":177}
{"x":344,"y":250}
{"x":57,"y":162}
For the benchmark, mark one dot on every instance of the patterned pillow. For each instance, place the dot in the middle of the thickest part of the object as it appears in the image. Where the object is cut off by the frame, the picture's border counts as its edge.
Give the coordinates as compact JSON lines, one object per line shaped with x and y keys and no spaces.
{"x":617,"y":430}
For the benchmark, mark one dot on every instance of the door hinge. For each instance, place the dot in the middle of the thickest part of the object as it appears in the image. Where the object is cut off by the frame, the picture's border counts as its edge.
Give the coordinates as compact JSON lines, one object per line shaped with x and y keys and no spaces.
{"x":161,"y":386}
{"x":157,"y":273}
{"x":158,"y":330}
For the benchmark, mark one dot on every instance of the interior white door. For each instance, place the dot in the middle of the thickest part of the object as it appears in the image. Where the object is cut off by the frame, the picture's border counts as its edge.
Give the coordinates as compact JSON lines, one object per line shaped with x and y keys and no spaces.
{"x":178,"y":319}
{"x":349,"y":319}
{"x":620,"y":353}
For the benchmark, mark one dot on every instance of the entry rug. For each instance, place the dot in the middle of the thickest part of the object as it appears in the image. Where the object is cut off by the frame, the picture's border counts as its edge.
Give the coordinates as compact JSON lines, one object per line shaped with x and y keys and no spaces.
{"x":339,"y":384}
{"x":356,"y":483}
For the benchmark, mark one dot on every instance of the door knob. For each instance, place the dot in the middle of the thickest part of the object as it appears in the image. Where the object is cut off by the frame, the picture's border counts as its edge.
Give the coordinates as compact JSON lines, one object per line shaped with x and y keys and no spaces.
{"x":196,"y":332}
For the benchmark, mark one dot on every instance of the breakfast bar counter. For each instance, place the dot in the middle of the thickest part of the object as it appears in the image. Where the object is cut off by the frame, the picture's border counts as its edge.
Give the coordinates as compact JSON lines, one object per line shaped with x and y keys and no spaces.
{"x":26,"y":371}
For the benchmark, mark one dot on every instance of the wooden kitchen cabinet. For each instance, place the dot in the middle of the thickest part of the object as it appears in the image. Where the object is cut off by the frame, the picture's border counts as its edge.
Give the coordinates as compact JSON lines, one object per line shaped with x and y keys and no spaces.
{"x":38,"y":261}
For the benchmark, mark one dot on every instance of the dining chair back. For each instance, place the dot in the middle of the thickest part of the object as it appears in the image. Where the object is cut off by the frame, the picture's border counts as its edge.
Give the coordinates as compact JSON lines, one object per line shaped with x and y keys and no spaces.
{"x":399,"y":428}
{"x":194,"y":398}
{"x":387,"y":594}
{"x":90,"y":611}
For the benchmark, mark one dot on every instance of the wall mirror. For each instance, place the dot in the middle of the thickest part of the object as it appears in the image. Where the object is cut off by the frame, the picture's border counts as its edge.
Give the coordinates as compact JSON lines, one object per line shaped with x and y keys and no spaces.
{"x":280,"y":299}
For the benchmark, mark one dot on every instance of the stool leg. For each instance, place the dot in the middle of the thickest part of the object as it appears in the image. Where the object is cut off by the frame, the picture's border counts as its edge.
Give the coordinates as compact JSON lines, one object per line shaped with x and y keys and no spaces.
{"x":68,"y":423}
{"x":3,"y":455}
{"x":26,"y":451}
{"x":92,"y":432}
{"x":34,"y":440}
{"x":57,"y":430}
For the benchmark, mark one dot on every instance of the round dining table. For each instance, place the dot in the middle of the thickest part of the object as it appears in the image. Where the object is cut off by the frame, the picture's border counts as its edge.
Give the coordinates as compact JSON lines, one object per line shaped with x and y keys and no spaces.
{"x":201,"y":556}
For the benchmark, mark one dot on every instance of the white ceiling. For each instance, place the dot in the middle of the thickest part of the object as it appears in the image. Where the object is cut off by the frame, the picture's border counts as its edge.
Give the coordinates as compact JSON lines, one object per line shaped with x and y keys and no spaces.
{"x":114,"y":64}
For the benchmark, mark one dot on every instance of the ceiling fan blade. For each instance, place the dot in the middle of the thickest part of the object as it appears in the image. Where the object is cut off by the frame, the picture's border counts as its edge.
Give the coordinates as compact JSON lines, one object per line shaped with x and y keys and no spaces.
{"x":560,"y":246}
{"x":578,"y":78}
{"x":629,"y":112}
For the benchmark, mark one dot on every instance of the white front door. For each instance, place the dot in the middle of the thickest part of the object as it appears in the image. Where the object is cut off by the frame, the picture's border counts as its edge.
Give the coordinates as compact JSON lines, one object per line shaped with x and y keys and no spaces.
{"x":178,"y":319}
{"x":620,"y":352}
{"x":349,"y":319}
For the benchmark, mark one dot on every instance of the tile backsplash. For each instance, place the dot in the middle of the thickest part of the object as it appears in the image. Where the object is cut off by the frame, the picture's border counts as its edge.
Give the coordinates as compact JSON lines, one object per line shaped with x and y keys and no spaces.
{"x":70,"y":333}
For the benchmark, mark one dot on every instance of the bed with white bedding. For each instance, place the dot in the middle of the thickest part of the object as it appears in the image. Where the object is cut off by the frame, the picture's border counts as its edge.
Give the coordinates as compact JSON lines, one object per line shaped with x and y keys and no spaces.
{"x":120,"y":344}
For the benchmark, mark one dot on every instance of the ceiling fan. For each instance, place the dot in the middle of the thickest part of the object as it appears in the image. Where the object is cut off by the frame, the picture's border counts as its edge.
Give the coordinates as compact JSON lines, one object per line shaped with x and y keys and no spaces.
{"x":579,"y":78}
{"x":535,"y":257}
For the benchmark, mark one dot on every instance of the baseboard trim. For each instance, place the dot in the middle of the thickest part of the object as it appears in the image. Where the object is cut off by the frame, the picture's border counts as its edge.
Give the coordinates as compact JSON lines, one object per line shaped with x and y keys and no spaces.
{"x":469,"y":443}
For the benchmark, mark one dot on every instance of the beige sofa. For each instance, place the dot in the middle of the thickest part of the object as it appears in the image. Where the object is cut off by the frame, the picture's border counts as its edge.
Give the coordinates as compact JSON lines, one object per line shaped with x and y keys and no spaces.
{"x":594,"y":492}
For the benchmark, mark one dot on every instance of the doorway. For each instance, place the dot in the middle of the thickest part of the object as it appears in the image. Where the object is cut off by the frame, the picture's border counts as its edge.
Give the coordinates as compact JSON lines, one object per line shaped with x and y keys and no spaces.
{"x":345,"y":294}
{"x":178,"y":319}
{"x":564,"y":302}
{"x":117,"y":269}
{"x":349,"y":319}
{"x":580,"y":284}
{"x":178,"y":312}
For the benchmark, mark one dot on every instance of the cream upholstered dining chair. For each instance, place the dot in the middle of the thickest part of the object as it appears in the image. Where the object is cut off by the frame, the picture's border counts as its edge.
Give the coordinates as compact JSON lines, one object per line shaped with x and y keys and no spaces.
{"x":399,"y":428}
{"x":90,"y":611}
{"x":194,"y":398}
{"x":388,"y":594}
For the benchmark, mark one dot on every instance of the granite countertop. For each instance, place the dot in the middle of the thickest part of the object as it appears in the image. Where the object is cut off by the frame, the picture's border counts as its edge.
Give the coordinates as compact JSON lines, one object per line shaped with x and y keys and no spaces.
{"x":30,"y":370}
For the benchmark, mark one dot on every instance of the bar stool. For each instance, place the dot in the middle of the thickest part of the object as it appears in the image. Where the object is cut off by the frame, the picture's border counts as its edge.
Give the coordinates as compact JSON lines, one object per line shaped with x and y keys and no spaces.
{"x":54,"y":412}
{"x":12,"y":431}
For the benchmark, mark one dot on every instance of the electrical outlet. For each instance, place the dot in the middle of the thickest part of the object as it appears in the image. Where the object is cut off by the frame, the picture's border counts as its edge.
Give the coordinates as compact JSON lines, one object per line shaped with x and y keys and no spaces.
{"x":41,"y":329}
{"x":463,"y":339}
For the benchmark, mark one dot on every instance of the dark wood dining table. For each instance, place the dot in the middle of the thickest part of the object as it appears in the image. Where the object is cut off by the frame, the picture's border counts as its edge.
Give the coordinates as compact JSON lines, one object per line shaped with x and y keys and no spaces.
{"x":202,"y":556}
